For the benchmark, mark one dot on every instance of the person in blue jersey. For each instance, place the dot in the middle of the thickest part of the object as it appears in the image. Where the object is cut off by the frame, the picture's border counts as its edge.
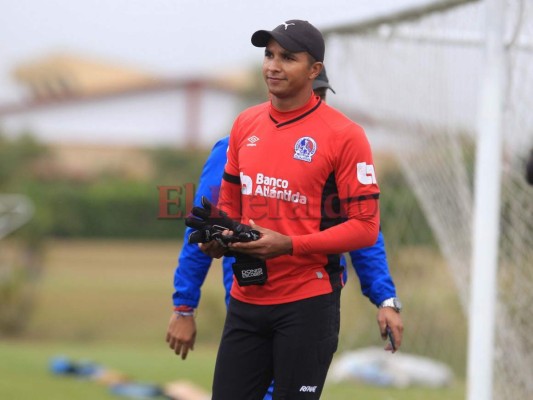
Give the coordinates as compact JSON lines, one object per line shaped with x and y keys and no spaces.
{"x":369,"y":263}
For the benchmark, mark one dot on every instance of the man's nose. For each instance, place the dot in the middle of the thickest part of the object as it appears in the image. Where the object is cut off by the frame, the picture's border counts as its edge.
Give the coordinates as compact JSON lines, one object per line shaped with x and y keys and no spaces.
{"x":273,"y":64}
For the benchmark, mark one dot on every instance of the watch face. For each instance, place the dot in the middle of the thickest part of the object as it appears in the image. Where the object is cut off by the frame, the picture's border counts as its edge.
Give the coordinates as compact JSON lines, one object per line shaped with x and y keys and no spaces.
{"x":397,"y":304}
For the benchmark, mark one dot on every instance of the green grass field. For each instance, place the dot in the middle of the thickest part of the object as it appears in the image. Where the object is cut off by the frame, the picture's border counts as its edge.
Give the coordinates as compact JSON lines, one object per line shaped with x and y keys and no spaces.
{"x":109,"y":302}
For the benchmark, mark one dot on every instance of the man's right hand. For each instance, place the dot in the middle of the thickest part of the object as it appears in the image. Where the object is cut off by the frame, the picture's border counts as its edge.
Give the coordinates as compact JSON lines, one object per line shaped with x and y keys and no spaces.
{"x":181,"y":334}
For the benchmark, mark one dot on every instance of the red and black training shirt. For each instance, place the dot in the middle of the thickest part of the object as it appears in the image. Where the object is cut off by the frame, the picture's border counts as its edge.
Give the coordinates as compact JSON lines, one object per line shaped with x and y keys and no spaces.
{"x":308,"y":174}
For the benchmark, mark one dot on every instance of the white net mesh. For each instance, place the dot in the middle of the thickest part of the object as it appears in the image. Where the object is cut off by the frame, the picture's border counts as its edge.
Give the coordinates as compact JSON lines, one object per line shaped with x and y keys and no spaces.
{"x":413,"y":82}
{"x":15,"y":211}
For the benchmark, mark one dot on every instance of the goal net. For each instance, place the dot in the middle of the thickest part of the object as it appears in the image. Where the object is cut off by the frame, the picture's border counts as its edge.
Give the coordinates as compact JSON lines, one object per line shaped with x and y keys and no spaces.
{"x":413,"y":79}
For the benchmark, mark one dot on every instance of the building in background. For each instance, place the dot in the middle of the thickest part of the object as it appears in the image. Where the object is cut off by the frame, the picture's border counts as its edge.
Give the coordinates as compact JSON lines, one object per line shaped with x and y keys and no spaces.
{"x":74,"y":100}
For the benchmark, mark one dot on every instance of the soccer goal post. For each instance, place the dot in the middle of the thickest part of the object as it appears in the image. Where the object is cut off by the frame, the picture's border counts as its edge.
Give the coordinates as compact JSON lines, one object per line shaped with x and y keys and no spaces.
{"x":487,"y":194}
{"x":447,"y":88}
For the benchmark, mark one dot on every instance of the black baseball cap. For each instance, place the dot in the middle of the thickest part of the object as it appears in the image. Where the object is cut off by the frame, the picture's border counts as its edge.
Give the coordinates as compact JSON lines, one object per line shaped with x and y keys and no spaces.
{"x":294,"y":35}
{"x":322,"y":81}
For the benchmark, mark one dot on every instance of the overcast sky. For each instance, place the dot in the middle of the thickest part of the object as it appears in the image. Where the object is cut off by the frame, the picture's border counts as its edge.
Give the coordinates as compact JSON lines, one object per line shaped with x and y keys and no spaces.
{"x":167,"y":37}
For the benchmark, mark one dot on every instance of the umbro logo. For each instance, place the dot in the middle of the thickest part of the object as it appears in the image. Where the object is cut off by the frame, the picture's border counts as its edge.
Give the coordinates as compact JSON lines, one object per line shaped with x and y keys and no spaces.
{"x":252,"y":140}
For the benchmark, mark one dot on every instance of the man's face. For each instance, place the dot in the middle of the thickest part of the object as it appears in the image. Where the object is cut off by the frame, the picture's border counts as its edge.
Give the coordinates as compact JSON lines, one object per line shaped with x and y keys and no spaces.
{"x":286,"y":73}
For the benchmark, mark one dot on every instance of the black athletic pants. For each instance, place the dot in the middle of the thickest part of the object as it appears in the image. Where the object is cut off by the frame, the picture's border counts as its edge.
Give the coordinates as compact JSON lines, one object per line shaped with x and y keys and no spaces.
{"x":292,"y":343}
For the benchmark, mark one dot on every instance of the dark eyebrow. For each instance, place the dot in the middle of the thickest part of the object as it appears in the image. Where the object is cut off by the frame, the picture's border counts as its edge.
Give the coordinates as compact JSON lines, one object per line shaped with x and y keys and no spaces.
{"x":288,"y":53}
{"x":284,"y":53}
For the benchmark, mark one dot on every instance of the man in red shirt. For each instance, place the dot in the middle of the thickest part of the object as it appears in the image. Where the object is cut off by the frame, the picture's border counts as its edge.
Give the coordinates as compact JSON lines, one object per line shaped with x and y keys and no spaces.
{"x":301,"y":173}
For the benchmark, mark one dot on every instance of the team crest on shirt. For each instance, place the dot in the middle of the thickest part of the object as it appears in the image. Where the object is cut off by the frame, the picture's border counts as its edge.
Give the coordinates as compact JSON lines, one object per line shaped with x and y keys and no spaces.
{"x":305,"y":148}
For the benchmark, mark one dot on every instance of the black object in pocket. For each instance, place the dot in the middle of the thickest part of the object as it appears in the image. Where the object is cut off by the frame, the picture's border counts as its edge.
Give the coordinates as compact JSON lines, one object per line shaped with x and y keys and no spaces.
{"x":250,"y":271}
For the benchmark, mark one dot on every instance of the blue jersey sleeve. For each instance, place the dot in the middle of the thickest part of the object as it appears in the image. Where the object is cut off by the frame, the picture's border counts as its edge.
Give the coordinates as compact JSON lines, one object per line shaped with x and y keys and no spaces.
{"x":193,"y":264}
{"x":372,"y":268}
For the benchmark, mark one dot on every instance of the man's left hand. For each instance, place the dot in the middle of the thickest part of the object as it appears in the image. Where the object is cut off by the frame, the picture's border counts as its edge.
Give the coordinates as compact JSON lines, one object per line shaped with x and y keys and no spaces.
{"x":388,"y":317}
{"x":271,"y":244}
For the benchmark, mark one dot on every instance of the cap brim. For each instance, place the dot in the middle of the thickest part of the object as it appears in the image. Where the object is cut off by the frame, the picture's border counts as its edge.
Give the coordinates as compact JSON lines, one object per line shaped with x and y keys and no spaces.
{"x":261,"y":38}
{"x":318,"y":84}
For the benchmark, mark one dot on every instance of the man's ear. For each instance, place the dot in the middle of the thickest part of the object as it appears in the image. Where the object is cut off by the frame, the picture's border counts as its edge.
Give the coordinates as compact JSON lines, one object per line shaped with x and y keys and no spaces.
{"x":316,"y":68}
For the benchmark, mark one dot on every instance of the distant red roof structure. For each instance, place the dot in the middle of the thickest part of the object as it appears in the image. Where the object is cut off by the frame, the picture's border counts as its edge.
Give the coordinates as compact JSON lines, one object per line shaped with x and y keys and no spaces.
{"x":60,"y":81}
{"x":61,"y":78}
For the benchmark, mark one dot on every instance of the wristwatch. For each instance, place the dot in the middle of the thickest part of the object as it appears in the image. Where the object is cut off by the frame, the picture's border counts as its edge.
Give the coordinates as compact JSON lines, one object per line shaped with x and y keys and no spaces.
{"x":393,"y":303}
